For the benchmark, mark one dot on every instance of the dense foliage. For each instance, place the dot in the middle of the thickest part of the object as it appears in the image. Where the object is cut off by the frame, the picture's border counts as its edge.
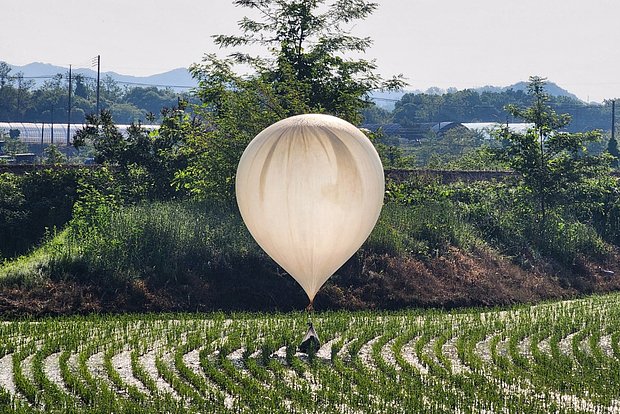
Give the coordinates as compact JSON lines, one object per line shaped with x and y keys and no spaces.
{"x":472,"y":106}
{"x":33,"y":204}
{"x":304,"y":71}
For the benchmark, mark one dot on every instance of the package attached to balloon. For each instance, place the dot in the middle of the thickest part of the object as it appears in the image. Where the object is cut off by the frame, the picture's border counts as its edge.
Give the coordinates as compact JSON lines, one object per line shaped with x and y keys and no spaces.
{"x":310,"y":189}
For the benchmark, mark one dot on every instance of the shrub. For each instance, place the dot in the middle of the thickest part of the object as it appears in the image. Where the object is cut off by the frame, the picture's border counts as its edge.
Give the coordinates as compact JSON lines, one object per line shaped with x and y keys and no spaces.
{"x":425,"y":229}
{"x":32,"y":204}
{"x":160,"y":241}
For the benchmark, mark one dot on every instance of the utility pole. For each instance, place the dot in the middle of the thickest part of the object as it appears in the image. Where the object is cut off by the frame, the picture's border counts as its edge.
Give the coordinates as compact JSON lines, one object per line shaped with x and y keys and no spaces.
{"x":612,"y":145}
{"x":52,"y":126}
{"x":19,"y":96}
{"x":69,"y":109}
{"x":98,"y":84}
{"x":613,"y":119}
{"x":98,"y":58}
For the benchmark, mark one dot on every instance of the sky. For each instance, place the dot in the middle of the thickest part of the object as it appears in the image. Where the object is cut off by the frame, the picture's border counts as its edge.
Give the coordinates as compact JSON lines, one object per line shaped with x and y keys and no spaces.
{"x":443,"y":43}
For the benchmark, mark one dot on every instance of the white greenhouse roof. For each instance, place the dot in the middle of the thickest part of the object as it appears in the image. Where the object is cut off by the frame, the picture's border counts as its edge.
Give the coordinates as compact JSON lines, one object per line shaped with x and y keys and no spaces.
{"x":41,"y":133}
{"x":486,"y":128}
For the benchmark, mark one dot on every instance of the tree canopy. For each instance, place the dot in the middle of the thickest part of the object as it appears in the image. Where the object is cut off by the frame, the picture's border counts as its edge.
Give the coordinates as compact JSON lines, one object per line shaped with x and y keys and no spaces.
{"x":308,"y":68}
{"x":555,"y":166}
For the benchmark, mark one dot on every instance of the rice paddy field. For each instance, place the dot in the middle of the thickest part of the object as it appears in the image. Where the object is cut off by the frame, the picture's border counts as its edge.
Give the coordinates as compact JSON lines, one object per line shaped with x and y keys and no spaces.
{"x":554,"y":357}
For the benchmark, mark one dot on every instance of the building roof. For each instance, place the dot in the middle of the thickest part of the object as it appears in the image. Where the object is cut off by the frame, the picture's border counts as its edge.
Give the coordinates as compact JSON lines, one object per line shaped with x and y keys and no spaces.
{"x":41,"y":133}
{"x":487,"y":128}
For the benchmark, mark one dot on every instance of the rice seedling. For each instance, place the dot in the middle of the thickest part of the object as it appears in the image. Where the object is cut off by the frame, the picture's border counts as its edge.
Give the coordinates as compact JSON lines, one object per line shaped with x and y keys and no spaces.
{"x":553,"y":357}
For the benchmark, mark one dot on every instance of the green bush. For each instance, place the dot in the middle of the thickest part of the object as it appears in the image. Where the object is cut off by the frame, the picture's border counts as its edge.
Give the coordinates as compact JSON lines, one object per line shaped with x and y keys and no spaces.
{"x":565,"y":240}
{"x":504,"y":217}
{"x":425,"y":229}
{"x":159,"y":241}
{"x":32,"y":204}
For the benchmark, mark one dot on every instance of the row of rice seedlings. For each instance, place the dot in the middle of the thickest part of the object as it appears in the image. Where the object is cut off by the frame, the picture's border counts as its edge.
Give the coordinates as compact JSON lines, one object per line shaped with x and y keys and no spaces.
{"x":517,"y":363}
{"x":52,"y":396}
{"x":514,"y":380}
{"x":142,"y":375}
{"x":23,"y":384}
{"x":190,"y":396}
{"x":116,"y":378}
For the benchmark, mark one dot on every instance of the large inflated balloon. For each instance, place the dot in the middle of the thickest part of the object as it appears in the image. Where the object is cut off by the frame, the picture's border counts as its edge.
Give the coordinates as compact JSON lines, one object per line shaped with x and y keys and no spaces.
{"x":310,"y":189}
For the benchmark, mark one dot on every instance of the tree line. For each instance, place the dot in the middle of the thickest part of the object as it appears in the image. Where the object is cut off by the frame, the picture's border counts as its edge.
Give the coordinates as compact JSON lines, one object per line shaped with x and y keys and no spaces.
{"x":22,"y":101}
{"x":472,"y":106}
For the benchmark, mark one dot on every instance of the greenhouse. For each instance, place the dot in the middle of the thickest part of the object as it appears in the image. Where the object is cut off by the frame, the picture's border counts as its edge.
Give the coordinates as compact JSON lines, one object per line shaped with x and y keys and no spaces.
{"x":46,"y":133}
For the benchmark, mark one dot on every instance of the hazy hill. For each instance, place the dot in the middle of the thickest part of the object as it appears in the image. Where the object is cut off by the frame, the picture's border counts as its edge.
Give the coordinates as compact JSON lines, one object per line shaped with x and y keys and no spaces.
{"x":387,"y":99}
{"x":551,"y":88}
{"x":180,"y":79}
{"x":177,"y":78}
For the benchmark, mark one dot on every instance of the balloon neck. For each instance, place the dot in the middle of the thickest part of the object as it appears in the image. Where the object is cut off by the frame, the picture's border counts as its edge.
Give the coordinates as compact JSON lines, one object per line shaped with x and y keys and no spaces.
{"x":310,"y":307}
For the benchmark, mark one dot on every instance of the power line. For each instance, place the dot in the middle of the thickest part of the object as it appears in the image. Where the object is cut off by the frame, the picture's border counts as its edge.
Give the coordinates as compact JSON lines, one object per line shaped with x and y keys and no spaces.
{"x":432,"y":105}
{"x":94,"y":79}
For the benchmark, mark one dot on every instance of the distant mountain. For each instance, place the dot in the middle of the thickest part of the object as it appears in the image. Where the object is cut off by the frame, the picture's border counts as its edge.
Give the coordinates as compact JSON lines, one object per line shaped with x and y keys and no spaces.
{"x":178,"y":79}
{"x":551,"y":88}
{"x":387,"y":99}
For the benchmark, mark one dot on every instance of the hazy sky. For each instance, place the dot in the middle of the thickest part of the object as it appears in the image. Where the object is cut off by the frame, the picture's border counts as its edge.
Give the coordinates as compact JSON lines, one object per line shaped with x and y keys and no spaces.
{"x":460,"y":43}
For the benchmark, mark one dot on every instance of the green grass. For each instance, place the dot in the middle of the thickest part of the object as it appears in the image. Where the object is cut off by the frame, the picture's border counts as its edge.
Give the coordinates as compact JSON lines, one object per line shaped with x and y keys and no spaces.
{"x":425,"y":229}
{"x":164,"y":242}
{"x":36,"y":266}
{"x":168,"y":241}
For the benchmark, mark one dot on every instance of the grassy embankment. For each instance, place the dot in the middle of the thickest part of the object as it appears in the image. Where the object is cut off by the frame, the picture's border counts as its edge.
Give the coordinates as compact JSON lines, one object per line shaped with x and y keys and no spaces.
{"x":434,"y":245}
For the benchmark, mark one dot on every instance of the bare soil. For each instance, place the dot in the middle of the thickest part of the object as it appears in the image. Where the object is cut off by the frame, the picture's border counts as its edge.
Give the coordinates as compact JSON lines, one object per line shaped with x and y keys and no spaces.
{"x":455,"y":279}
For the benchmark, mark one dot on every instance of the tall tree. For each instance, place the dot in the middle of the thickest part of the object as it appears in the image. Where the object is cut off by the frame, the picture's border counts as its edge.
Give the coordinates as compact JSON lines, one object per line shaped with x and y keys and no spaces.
{"x":5,"y":70}
{"x":553,"y":164}
{"x":80,"y":86}
{"x":612,"y":145}
{"x":310,"y":66}
{"x":307,"y":40}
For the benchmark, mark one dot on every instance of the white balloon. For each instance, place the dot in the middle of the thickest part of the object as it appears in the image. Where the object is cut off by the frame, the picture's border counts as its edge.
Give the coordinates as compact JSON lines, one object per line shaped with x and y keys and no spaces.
{"x":310,"y":189}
